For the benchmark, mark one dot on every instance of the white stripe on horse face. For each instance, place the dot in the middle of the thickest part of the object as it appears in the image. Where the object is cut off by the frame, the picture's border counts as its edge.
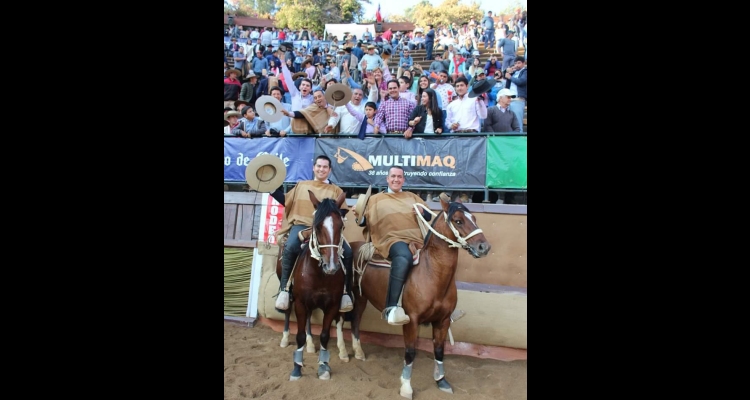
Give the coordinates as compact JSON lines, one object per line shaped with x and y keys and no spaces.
{"x":328,"y":225}
{"x":468,"y":215}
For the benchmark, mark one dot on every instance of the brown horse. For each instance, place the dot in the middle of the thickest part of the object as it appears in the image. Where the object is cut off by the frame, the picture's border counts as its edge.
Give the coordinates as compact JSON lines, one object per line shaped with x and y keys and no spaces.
{"x":318,"y":282}
{"x":429,"y":294}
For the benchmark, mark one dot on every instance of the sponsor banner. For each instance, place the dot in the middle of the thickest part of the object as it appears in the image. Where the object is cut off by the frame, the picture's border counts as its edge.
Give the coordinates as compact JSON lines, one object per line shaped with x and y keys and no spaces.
{"x":297,"y":154}
{"x":506,"y":162}
{"x":273,"y":214}
{"x":440,"y":162}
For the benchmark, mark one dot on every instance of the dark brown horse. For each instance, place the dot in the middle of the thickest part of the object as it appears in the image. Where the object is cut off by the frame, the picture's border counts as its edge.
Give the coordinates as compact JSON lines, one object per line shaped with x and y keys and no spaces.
{"x":429,"y":294}
{"x":318,"y":282}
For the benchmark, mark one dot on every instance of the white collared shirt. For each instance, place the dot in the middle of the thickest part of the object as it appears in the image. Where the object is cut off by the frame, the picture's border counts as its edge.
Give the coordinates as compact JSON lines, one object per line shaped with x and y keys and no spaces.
{"x":466,"y":112}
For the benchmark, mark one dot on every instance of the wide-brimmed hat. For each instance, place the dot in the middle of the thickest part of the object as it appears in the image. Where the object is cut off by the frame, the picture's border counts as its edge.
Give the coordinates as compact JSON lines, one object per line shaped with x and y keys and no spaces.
{"x":338,"y":94}
{"x":251,"y":74}
{"x":284,"y":46}
{"x":233,"y":114}
{"x":238,"y":103}
{"x":362,"y":203}
{"x":482,"y":86}
{"x":229,"y":71}
{"x":301,"y":74}
{"x":269,"y":109}
{"x":265,"y":173}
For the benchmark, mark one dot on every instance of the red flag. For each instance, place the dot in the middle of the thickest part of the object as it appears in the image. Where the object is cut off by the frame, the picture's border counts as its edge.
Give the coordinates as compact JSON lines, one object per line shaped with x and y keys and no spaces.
{"x":378,"y":17}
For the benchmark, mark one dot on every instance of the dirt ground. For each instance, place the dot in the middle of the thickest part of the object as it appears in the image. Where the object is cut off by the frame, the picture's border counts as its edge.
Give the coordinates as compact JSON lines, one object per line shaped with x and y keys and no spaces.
{"x":255,"y":366}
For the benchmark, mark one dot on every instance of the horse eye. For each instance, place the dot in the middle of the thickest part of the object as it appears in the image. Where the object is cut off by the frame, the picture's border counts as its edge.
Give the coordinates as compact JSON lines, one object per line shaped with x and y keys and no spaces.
{"x":459,"y":222}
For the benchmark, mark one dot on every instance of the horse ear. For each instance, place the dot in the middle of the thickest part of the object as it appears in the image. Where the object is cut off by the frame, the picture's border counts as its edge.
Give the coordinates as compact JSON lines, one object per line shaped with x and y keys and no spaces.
{"x":344,"y":211}
{"x":314,"y":199}
{"x":341,"y":199}
{"x":445,"y":202}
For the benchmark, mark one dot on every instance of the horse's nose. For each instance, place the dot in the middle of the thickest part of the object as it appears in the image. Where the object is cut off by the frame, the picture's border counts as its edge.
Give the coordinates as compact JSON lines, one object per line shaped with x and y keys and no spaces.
{"x":484,"y":249}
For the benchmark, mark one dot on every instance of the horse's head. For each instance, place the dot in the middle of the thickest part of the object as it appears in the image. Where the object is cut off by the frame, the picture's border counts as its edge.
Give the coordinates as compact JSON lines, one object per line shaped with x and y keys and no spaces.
{"x":464,"y":226}
{"x":327,"y":228}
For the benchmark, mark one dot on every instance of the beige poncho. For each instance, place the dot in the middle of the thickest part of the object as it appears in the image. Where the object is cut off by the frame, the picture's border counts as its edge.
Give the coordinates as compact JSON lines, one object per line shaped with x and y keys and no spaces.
{"x":298,"y":209}
{"x":390,"y":218}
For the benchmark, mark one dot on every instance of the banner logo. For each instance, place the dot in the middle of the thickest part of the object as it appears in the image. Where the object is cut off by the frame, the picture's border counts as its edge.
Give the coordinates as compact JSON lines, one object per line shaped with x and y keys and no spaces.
{"x":361,"y":164}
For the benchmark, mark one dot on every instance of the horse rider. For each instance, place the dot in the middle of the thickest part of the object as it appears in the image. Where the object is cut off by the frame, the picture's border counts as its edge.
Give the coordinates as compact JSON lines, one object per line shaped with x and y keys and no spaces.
{"x":298,"y":213}
{"x":392,"y":222}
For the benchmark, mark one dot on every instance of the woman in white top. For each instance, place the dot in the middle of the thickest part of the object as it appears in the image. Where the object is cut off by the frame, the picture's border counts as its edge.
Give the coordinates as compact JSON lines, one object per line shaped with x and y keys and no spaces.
{"x":427,"y":117}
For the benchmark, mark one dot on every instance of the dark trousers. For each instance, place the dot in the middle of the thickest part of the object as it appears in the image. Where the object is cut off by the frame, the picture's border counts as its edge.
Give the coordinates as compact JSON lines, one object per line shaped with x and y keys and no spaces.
{"x":429,"y":46}
{"x":401,"y":262}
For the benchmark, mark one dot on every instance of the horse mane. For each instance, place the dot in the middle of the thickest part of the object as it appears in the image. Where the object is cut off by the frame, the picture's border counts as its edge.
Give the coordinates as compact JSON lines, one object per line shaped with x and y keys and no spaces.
{"x":452,"y":208}
{"x":325,"y":207}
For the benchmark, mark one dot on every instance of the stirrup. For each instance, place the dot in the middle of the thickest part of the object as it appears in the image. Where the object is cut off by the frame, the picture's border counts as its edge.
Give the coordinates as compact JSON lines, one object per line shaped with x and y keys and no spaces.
{"x":346,"y":303}
{"x":282,"y":301}
{"x":396,"y":316}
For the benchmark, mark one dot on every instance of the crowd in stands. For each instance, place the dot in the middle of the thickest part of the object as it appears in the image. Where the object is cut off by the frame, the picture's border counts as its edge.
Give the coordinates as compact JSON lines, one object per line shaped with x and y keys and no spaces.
{"x":459,"y":93}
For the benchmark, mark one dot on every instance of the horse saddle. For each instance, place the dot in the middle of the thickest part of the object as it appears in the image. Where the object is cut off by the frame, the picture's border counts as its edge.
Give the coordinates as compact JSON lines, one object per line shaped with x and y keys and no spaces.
{"x":380,"y":261}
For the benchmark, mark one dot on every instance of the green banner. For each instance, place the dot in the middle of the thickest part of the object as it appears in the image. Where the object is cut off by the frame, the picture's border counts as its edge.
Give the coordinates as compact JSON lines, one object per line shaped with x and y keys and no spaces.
{"x":506,"y":162}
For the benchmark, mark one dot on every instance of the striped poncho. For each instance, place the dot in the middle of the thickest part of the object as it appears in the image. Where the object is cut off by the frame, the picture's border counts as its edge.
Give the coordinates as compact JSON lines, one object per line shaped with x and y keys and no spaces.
{"x":298,"y":209}
{"x":390,"y":218}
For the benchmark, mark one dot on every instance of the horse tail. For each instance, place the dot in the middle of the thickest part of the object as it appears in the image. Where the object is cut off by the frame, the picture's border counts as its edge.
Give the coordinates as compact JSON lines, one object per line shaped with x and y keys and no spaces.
{"x":363,"y":256}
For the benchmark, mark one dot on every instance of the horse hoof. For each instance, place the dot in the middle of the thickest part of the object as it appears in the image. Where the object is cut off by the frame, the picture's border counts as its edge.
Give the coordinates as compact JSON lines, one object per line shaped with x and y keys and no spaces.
{"x":344,"y":359}
{"x":324,"y":372}
{"x":294,"y":378}
{"x":310,"y":349}
{"x":444,"y":386}
{"x":406,"y":394}
{"x":360,"y":357}
{"x":284,"y":343}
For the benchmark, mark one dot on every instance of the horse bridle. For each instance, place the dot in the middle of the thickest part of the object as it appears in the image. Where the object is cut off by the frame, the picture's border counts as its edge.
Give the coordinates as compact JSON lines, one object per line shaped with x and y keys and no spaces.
{"x":315,"y":247}
{"x":462,"y":241}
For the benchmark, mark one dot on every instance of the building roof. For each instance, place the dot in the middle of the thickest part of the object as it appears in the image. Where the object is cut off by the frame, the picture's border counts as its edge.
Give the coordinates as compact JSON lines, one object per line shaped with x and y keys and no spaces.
{"x":250,"y":21}
{"x":398,"y":26}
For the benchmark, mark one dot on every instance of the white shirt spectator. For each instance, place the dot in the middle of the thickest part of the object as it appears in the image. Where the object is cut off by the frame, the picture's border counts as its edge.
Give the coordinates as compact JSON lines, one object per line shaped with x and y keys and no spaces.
{"x":466,"y":112}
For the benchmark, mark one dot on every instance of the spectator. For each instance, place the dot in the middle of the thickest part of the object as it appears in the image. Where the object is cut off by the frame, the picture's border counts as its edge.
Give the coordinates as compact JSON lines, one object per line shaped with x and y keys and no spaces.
{"x":508,"y":46}
{"x":405,"y":61}
{"x":429,"y":41}
{"x":249,"y":125}
{"x":489,"y":29}
{"x":254,"y":36}
{"x":370,"y":61}
{"x":344,"y":115}
{"x":239,"y":60}
{"x":232,"y":87}
{"x":427,"y":117}
{"x":493,"y":65}
{"x":281,"y":127}
{"x":366,"y":120}
{"x":367,"y":35}
{"x":395,"y":111}
{"x":404,"y":84}
{"x":464,"y":112}
{"x":266,"y":37}
{"x":517,"y":77}
{"x":259,"y":63}
{"x":233,"y":118}
{"x":445,"y":90}
{"x":457,"y":66}
{"x":501,"y":118}
{"x":313,"y":118}
{"x":301,"y":97}
{"x":436,"y":66}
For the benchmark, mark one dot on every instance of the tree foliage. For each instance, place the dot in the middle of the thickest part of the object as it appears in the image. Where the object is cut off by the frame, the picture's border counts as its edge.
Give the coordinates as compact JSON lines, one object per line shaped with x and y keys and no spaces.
{"x":314,"y":14}
{"x":450,"y":11}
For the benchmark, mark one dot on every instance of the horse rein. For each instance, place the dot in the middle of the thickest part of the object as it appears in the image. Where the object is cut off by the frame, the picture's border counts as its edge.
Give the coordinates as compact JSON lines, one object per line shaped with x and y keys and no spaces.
{"x":462,"y":241}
